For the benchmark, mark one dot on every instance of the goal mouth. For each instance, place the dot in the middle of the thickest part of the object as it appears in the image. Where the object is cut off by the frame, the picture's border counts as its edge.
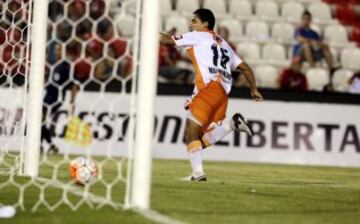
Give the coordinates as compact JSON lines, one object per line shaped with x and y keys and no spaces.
{"x":86,"y":105}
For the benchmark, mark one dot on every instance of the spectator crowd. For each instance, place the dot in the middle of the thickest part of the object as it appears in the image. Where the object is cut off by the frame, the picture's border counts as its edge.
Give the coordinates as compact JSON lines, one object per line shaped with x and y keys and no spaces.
{"x":88,"y":43}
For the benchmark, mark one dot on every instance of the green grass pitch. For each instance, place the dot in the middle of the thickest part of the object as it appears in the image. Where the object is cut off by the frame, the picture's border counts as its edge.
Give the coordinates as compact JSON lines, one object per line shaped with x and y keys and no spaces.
{"x":235,"y":193}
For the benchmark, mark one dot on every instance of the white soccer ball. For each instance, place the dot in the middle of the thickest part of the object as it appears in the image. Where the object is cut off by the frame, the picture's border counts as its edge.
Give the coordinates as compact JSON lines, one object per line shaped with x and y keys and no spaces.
{"x":83,"y":170}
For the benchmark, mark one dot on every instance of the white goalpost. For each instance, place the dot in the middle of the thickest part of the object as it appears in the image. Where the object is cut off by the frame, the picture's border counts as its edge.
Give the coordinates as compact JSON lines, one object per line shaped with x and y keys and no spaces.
{"x":111,"y":110}
{"x":145,"y":104}
{"x":36,"y":85}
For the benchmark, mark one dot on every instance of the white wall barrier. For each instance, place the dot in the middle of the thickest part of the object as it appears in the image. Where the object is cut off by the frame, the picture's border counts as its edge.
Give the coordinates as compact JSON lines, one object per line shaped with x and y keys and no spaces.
{"x":285,"y":132}
{"x":11,"y":117}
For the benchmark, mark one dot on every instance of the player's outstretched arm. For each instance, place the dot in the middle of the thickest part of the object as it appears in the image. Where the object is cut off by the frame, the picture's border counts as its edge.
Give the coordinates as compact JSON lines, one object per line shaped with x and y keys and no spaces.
{"x":165,"y":39}
{"x":246,"y":70}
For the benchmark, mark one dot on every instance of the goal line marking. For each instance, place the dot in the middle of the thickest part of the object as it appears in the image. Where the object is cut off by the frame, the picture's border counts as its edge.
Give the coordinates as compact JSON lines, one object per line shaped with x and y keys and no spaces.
{"x":158,"y":217}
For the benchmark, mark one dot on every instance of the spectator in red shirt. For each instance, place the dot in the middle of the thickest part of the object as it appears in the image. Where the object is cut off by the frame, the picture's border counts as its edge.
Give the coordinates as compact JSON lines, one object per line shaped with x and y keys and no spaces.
{"x":117,"y":45}
{"x":293,"y":79}
{"x":76,"y":10}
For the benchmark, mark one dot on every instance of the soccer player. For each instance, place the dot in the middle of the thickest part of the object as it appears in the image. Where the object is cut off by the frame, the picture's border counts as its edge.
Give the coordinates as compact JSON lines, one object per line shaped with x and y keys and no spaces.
{"x":213,"y":60}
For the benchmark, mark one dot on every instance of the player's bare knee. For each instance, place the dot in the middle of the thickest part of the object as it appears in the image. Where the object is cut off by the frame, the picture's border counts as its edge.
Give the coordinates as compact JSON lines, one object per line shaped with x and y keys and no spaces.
{"x":192,"y":132}
{"x":191,"y":135}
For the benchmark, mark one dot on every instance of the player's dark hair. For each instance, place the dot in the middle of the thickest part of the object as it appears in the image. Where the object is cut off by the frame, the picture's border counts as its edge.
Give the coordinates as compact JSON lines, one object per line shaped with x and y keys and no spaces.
{"x":307,"y":13}
{"x":206,"y":15}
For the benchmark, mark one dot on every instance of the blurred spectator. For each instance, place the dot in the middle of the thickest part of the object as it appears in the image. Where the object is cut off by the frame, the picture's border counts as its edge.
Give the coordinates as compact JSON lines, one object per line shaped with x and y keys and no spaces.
{"x":170,"y":67}
{"x":125,"y":67}
{"x":355,"y":83}
{"x":292,"y":79}
{"x":58,"y":82}
{"x":224,"y":33}
{"x":104,"y":69}
{"x":105,"y":30}
{"x":56,"y":11}
{"x":76,"y":10}
{"x":13,"y":53}
{"x":94,"y":49}
{"x":14,"y":12}
{"x":238,"y":79}
{"x":97,"y":9}
{"x":308,"y":44}
{"x":73,"y":50}
{"x":54,"y":53}
{"x":116,"y":48}
{"x":83,"y":30}
{"x":117,"y":45}
{"x":63,"y":31}
{"x":82,"y":69}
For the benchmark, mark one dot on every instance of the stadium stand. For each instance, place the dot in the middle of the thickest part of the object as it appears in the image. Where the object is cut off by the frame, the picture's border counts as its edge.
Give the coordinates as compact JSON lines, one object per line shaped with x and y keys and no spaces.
{"x":350,"y":58}
{"x":355,"y":35}
{"x":125,"y":23}
{"x":257,"y":31}
{"x":346,"y":14}
{"x":321,"y":13}
{"x":249,"y":52}
{"x":177,"y":21}
{"x":166,"y":8}
{"x":235,"y":27}
{"x":291,"y":11}
{"x":336,"y":36}
{"x":283,"y":33}
{"x":267,"y":10}
{"x":241,"y":9}
{"x":187,"y":7}
{"x":262,"y":30}
{"x":317,"y":78}
{"x":341,"y":79}
{"x":219,"y":8}
{"x":266,"y":76}
{"x":274,"y":54}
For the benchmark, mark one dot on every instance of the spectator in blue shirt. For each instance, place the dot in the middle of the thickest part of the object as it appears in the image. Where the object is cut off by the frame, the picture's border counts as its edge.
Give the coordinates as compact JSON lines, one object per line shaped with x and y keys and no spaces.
{"x":308,"y":44}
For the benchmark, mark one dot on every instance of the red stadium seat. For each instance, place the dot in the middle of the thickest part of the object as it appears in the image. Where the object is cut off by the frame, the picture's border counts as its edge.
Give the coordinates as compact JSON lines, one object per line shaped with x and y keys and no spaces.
{"x":346,"y":14}
{"x":334,"y":1}
{"x":355,"y":35}
{"x":355,"y":2}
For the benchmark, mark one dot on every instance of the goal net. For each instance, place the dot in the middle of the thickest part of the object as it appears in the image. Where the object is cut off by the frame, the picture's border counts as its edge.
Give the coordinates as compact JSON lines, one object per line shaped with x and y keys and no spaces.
{"x":88,"y":95}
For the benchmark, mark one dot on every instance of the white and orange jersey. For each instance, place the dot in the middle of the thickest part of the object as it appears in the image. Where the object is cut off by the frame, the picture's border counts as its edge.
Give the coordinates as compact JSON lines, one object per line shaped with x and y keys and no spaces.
{"x":212,"y":57}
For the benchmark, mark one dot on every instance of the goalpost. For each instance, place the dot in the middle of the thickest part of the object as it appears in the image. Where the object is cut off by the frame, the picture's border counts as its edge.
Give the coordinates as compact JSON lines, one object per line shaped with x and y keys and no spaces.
{"x":149,"y":44}
{"x":101,"y":112}
{"x":35,"y":94}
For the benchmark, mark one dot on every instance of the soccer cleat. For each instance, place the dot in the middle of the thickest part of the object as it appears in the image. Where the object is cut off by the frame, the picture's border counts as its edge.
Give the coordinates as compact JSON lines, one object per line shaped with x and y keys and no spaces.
{"x":195,"y":177}
{"x":239,"y":124}
{"x":199,"y":178}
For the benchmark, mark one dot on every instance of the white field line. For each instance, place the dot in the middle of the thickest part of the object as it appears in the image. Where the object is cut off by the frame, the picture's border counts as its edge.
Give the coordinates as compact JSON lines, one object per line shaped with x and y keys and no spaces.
{"x":158,"y":217}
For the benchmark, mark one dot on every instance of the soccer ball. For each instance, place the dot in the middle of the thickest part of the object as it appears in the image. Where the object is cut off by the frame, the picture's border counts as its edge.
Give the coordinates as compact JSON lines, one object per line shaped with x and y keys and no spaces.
{"x":82,"y":170}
